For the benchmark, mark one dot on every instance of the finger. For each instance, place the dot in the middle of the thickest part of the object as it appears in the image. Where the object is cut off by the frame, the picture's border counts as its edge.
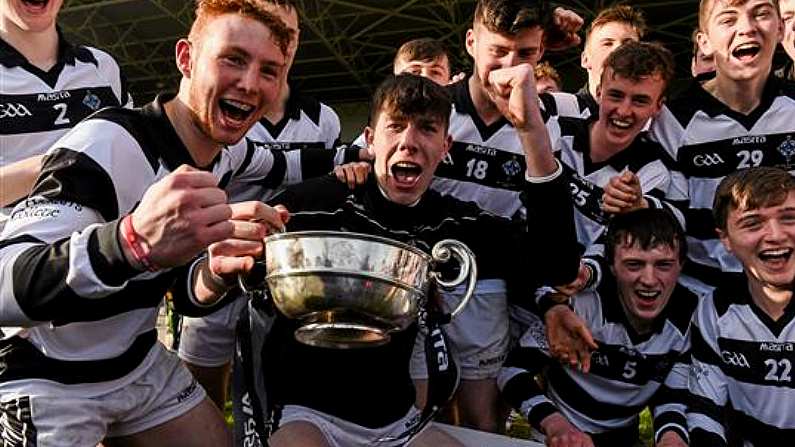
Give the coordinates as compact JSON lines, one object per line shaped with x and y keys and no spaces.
{"x":585,"y":335}
{"x":258,"y":211}
{"x":350,"y":177}
{"x":189,"y":177}
{"x":615,"y":198}
{"x":622,"y":186}
{"x":361,"y":174}
{"x":228,"y":265}
{"x":339,"y":172}
{"x":200,"y":197}
{"x":248,"y":230}
{"x":283,"y":213}
{"x":210,"y":215}
{"x":236,"y":248}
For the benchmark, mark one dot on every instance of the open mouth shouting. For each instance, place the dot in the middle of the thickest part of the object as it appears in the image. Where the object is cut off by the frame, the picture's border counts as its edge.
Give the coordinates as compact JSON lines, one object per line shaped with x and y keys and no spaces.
{"x":647,"y":298}
{"x":620,"y":124}
{"x":406,"y":174}
{"x":775,"y":259}
{"x":235,"y":113}
{"x":746,"y":52}
{"x":34,"y":6}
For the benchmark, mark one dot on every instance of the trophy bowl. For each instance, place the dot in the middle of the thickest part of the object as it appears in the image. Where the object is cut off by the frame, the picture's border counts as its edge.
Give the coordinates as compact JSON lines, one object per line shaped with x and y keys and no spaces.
{"x":352,"y":290}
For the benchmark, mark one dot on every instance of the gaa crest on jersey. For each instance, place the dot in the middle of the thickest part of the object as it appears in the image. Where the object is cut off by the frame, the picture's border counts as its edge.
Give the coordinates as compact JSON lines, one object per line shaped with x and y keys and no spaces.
{"x":92,"y":101}
{"x":14,"y":110}
{"x":787,"y":149}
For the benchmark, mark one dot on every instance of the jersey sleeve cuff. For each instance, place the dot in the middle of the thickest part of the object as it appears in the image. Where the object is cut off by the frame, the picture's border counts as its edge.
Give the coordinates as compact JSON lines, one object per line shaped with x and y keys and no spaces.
{"x":107,"y":257}
{"x":546,"y":178}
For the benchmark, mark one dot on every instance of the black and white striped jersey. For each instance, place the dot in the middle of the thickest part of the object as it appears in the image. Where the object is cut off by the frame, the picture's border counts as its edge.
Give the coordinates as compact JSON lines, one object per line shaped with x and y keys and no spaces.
{"x":742,"y":369}
{"x":307,"y":124}
{"x":63,"y":276}
{"x":629,"y":371}
{"x":486,"y":163}
{"x":568,"y":122}
{"x":38,"y":107}
{"x":709,"y":141}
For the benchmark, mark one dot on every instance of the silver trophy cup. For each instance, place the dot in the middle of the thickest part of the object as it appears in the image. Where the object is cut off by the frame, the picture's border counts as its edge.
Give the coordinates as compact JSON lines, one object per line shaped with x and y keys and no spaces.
{"x":352,"y":290}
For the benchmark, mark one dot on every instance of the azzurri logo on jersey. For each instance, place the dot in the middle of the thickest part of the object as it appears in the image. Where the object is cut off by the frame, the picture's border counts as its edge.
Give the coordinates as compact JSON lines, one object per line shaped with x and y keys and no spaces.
{"x":47,"y":111}
{"x":484,"y":165}
{"x":719,"y":158}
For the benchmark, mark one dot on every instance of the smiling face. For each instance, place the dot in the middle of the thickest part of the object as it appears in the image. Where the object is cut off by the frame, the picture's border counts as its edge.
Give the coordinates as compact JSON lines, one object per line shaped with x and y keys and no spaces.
{"x":31,"y":15}
{"x":742,"y":36}
{"x":492,"y":51}
{"x":625,"y":106}
{"x":407,"y":151}
{"x":645,"y":279}
{"x":763,"y":239}
{"x":230,"y":74}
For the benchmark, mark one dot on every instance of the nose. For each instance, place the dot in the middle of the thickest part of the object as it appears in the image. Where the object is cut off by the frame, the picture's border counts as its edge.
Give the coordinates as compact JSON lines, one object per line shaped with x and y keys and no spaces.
{"x":408,"y":138}
{"x":745,"y":24}
{"x":249,"y":78}
{"x":775,"y":232}
{"x":624,"y":107}
{"x":511,"y":59}
{"x":647,"y":277}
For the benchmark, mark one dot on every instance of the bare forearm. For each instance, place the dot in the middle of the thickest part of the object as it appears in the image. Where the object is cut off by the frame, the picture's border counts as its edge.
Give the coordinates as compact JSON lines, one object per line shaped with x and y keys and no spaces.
{"x":537,"y":148}
{"x":17,"y":179}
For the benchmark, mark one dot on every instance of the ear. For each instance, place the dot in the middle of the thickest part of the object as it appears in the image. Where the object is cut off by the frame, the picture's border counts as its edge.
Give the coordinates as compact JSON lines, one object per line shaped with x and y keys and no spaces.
{"x":724,"y":239}
{"x":584,"y":61}
{"x":183,"y":52}
{"x":703,"y":43}
{"x":368,"y":137}
{"x":448,"y":143}
{"x":470,"y":42}
{"x":540,"y":54}
{"x":599,"y":93}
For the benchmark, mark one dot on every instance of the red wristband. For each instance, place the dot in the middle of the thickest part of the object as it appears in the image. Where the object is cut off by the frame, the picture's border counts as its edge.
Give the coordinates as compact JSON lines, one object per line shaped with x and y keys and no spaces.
{"x":139,"y":249}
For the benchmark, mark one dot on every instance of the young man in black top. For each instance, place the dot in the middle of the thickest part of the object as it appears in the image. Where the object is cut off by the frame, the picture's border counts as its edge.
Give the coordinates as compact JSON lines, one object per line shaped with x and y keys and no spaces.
{"x":367,"y":394}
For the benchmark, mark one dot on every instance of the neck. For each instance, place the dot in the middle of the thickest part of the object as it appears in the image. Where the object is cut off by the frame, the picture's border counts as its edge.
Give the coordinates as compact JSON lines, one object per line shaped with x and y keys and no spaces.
{"x":201,"y":149}
{"x":276,"y":112}
{"x":741,"y":96}
{"x":39,"y":48}
{"x":592,"y":83}
{"x":600,"y":148}
{"x":484,"y":106}
{"x":772,"y":300}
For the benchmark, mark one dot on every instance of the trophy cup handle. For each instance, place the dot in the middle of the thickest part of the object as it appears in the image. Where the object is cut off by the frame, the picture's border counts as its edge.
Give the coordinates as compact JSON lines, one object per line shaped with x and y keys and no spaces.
{"x":441,"y":253}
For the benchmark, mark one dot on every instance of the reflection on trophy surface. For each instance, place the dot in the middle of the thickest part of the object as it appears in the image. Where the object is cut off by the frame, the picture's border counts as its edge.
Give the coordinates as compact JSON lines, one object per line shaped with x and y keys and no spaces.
{"x":351,"y":290}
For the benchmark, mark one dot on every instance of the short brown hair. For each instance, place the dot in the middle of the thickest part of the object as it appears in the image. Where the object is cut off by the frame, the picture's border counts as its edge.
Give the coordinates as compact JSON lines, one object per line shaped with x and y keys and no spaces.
{"x":410,"y":95}
{"x":424,"y":49}
{"x":509,"y":17}
{"x":637,"y":60}
{"x":622,"y":14}
{"x":749,"y":189}
{"x":647,"y":228}
{"x":207,"y":9}
{"x":546,"y":70}
{"x":705,"y":8}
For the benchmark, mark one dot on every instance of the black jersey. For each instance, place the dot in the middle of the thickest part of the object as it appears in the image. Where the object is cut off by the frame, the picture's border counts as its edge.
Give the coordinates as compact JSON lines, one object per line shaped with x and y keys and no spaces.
{"x":708,"y":141}
{"x":38,"y":107}
{"x":741,"y":377}
{"x":628,"y":372}
{"x":63,"y":275}
{"x":371,"y":386}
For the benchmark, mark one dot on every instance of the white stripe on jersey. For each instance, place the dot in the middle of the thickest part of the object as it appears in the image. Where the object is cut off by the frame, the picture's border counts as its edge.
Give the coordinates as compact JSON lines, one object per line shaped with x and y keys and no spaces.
{"x":709,"y":141}
{"x":743,"y":359}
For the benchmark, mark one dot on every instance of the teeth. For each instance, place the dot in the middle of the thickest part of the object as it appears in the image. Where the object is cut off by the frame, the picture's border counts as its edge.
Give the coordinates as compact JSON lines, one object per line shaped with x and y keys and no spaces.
{"x":621,"y":123}
{"x":648,"y":293}
{"x":780,"y":252}
{"x":240,"y":105}
{"x":405,"y":164}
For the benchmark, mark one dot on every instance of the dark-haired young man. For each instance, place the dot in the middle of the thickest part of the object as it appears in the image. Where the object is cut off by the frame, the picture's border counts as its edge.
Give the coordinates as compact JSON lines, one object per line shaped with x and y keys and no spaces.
{"x":640,"y":317}
{"x":424,"y":57}
{"x":124,"y":203}
{"x":613,"y":166}
{"x":738,"y":119}
{"x":743,"y":335}
{"x":362,"y":397}
{"x":787,"y":9}
{"x":485,"y":165}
